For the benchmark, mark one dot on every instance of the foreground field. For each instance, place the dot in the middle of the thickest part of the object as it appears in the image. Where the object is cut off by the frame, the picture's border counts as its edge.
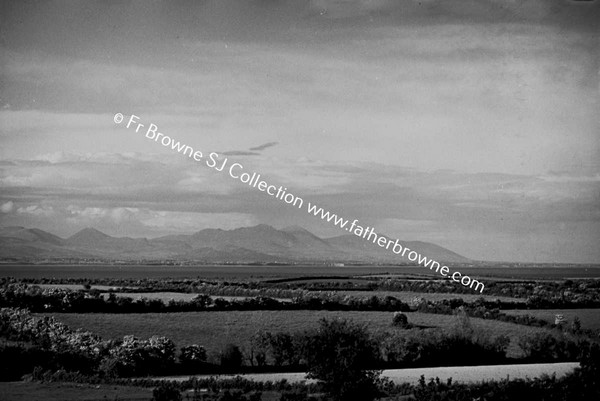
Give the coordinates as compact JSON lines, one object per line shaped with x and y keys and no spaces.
{"x":26,"y":391}
{"x":590,"y":318}
{"x":463,"y":374}
{"x":214,"y":330}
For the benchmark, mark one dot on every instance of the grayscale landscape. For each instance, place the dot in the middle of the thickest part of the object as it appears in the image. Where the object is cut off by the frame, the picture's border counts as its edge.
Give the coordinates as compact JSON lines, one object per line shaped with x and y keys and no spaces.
{"x":292,"y":200}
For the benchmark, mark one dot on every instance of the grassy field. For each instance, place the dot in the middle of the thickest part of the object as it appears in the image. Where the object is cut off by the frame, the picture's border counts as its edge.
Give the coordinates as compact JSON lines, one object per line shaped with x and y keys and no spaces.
{"x":176,"y":296}
{"x":409,"y":296}
{"x":403,"y":296}
{"x":590,"y":318}
{"x":181,"y":296}
{"x":25,"y":391}
{"x":214,"y":330}
{"x":76,"y":287}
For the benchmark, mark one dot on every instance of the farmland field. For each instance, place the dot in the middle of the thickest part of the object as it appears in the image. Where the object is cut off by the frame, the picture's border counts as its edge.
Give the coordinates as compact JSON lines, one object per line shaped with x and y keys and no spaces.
{"x":27,"y":391}
{"x":177,"y":296}
{"x":214,"y":330}
{"x":407,"y":296}
{"x":262,"y":272}
{"x":32,"y":391}
{"x":590,"y":318}
{"x":463,"y":374}
{"x":76,"y":287}
{"x":404,"y":296}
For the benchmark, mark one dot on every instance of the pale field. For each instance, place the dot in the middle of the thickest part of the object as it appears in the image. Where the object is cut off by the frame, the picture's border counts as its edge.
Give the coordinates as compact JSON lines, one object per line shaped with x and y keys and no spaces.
{"x":167,"y":296}
{"x":179,"y":296}
{"x":75,"y":287}
{"x":463,"y":374}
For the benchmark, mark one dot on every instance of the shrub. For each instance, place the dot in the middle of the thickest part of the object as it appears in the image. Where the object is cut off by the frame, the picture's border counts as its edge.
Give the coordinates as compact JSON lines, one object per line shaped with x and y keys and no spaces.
{"x":548,"y":347}
{"x":192,"y":355}
{"x":296,"y":394}
{"x":339,"y":353}
{"x":140,"y":357}
{"x":231,"y":357}
{"x":166,"y":391}
{"x":400,"y":320}
{"x":239,"y":396}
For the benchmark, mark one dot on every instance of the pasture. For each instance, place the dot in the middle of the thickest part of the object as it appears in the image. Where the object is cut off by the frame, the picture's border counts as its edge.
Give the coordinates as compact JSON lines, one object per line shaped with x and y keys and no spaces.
{"x":28,"y":391}
{"x":404,"y":296}
{"x":407,"y":296}
{"x":590,"y":318}
{"x":214,"y":330}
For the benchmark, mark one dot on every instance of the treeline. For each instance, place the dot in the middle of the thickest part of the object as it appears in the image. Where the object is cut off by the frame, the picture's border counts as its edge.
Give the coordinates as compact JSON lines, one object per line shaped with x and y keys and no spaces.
{"x":583,"y":293}
{"x":62,"y":300}
{"x":565,"y":294}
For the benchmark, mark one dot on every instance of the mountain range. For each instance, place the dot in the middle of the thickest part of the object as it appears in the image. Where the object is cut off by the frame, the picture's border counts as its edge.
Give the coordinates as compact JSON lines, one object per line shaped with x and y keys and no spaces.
{"x":257,"y":244}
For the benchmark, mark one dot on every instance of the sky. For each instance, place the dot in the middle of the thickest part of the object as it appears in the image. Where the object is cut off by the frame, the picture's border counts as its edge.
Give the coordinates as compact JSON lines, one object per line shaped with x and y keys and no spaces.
{"x":470,"y":124}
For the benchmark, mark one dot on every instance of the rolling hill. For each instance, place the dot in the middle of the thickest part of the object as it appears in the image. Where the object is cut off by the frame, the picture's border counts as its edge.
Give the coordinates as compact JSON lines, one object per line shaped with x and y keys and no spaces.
{"x":261,"y":243}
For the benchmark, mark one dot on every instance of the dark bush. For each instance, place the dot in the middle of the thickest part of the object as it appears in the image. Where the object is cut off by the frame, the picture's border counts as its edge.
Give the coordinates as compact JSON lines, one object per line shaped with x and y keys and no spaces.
{"x":231,"y":357}
{"x":340,"y":353}
{"x":192,"y":356}
{"x":297,"y":394}
{"x":400,"y":320}
{"x":549,"y":347}
{"x":166,"y":391}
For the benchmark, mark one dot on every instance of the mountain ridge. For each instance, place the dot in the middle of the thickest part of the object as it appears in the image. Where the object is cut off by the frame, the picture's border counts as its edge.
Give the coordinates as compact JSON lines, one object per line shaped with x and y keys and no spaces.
{"x":260,"y":243}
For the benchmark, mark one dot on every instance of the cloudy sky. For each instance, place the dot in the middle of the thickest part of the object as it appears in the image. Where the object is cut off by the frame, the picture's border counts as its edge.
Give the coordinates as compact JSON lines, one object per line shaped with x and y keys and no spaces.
{"x":471,"y":124}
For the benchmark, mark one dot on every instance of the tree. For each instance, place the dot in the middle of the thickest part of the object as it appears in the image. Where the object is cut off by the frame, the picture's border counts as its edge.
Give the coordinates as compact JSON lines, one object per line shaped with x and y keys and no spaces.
{"x":400,"y":320}
{"x":192,"y":356}
{"x":231,"y":357}
{"x":340,"y":353}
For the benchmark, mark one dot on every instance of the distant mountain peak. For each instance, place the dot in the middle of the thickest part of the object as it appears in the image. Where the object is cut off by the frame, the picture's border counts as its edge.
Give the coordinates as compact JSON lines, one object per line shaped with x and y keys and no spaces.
{"x":262,"y":227}
{"x":258,"y":227}
{"x":87,"y":235}
{"x":30,"y":234}
{"x":295,"y":229}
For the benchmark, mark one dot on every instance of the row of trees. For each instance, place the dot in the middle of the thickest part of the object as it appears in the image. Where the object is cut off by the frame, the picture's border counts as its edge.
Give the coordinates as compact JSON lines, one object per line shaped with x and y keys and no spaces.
{"x":578,"y":293}
{"x":40,"y":299}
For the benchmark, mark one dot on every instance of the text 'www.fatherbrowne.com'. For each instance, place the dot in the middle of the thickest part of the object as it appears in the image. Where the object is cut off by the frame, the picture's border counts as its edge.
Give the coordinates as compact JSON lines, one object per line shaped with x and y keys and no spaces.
{"x":236,"y":171}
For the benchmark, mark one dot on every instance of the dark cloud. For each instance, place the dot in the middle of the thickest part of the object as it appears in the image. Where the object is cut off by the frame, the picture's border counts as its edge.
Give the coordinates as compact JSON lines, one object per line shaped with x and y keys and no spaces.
{"x":264,"y":146}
